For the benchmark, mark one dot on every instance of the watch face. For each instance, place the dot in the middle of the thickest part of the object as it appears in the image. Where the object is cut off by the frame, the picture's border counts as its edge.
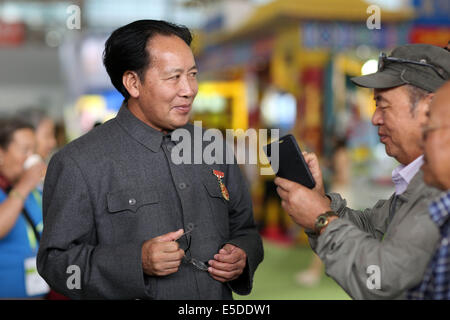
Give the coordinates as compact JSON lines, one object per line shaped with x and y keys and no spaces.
{"x":321,"y":221}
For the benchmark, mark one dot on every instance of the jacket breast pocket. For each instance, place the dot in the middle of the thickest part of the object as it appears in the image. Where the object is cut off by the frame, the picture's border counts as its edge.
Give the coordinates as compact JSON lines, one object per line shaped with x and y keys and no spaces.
{"x":218,"y":208}
{"x":131,"y":199}
{"x":134,"y":214}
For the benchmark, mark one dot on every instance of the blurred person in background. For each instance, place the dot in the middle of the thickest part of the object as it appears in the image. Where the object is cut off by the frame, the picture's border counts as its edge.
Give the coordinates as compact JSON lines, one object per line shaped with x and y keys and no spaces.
{"x":20,"y":212}
{"x":380,"y":253}
{"x":44,"y":129}
{"x":436,"y":135}
{"x":45,"y":132}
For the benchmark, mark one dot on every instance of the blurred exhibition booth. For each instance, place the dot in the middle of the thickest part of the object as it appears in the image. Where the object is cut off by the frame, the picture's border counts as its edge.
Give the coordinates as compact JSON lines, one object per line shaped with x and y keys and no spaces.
{"x":294,"y":60}
{"x":282,"y":64}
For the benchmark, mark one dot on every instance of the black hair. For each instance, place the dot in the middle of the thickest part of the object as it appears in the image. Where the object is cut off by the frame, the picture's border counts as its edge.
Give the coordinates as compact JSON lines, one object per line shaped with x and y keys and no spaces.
{"x":126,"y":48}
{"x":7,"y":129}
{"x":33,"y":115}
{"x":416,"y":94}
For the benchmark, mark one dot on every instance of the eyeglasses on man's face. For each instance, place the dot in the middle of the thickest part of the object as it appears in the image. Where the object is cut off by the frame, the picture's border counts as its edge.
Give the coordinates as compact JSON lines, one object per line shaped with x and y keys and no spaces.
{"x":383,"y":59}
{"x":198,"y":264}
{"x":430,"y":128}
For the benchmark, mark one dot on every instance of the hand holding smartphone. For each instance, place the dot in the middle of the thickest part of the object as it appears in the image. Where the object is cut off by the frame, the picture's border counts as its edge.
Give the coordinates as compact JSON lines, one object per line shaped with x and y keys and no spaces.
{"x":291,"y":163}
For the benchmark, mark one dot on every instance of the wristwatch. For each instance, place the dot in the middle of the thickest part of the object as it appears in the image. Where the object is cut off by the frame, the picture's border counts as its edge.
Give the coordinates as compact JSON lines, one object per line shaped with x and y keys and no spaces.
{"x":323,"y":220}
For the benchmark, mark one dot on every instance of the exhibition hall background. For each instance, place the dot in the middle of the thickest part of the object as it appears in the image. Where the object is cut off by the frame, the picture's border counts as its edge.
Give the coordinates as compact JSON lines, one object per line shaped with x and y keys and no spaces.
{"x":281,"y":64}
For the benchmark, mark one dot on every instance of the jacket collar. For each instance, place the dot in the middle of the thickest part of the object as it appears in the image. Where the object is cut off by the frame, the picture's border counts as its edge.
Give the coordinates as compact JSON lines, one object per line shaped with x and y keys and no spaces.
{"x":141,"y":132}
{"x":417,"y":185}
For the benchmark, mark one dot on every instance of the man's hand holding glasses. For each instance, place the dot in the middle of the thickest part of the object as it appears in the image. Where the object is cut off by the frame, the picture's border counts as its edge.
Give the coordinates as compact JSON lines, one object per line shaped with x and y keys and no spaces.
{"x":162,"y":256}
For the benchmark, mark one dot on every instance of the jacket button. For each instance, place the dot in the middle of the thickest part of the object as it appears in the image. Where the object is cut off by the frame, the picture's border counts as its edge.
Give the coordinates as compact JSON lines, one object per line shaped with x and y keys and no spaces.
{"x":182,"y":185}
{"x":132,"y":201}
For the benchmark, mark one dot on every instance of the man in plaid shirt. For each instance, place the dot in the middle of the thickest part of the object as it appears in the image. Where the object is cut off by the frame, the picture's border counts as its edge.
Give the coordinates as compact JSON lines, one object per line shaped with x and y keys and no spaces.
{"x":436,"y":168}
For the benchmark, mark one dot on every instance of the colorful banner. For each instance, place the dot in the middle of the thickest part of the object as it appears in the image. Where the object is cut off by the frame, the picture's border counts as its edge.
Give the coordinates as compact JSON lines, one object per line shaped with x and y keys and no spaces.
{"x":432,"y":12}
{"x":343,"y":35}
{"x":436,"y":36}
{"x":242,"y":53}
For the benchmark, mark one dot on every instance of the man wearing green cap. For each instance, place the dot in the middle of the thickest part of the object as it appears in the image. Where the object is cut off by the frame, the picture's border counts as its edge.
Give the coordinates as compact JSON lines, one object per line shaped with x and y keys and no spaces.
{"x":380,"y":253}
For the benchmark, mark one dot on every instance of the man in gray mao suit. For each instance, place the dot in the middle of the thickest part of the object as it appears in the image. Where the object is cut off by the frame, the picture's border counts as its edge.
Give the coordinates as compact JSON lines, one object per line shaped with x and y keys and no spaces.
{"x":118,"y":211}
{"x":380,"y":253}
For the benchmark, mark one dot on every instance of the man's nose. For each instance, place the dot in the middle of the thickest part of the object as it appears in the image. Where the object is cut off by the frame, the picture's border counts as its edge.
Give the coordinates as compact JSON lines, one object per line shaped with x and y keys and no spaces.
{"x":377,"y":118}
{"x":188,"y":88}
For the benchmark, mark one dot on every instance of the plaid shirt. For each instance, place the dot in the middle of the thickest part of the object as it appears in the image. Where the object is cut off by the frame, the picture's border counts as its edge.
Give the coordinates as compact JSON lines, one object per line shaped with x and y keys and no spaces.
{"x":436,"y":281}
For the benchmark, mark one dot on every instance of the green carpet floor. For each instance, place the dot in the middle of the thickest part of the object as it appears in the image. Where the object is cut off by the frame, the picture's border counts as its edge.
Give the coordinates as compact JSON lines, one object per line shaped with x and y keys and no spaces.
{"x":274,"y":278}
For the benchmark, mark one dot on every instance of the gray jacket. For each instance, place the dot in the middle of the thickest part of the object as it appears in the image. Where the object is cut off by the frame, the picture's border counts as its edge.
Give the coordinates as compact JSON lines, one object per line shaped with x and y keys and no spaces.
{"x":363,"y":244}
{"x":116,"y":187}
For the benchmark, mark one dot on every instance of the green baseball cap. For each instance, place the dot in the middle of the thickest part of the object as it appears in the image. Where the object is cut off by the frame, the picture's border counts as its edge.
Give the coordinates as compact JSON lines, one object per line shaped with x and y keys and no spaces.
{"x":421,"y":65}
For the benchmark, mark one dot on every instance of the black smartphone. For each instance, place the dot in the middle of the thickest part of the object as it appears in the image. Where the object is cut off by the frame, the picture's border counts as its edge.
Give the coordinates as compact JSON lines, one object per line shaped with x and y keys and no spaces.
{"x":289,"y":163}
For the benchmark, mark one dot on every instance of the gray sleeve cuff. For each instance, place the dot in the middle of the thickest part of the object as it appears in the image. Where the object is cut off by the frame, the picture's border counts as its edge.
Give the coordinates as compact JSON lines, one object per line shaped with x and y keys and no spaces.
{"x":337,"y":203}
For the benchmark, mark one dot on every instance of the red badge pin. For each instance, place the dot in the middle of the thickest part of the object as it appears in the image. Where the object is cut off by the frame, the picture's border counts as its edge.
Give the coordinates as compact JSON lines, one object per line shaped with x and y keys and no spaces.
{"x":223,"y":188}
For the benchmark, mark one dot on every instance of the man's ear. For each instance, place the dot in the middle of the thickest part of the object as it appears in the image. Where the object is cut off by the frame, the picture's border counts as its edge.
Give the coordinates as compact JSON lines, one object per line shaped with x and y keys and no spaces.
{"x":131,"y":82}
{"x":423,"y":108}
